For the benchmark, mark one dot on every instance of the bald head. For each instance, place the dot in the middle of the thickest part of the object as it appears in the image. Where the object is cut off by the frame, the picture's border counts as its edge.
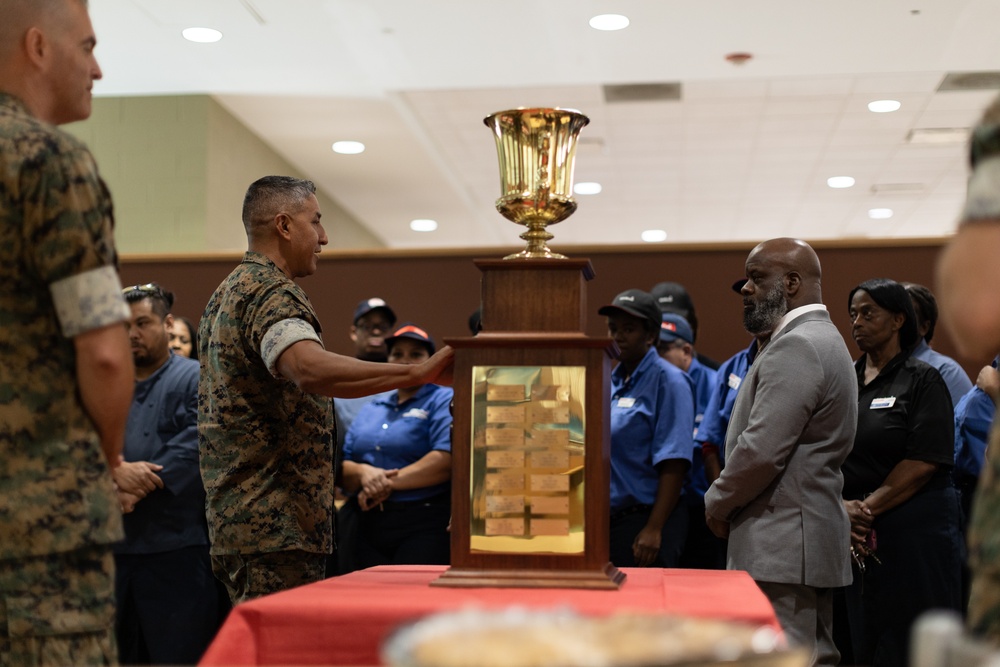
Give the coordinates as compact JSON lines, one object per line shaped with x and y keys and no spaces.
{"x":47,"y":57}
{"x":796,"y":262}
{"x":19,"y":16}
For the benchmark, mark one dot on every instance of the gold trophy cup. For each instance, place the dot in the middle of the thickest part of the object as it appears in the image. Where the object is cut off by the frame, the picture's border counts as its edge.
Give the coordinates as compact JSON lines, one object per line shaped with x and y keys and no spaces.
{"x":536,"y":148}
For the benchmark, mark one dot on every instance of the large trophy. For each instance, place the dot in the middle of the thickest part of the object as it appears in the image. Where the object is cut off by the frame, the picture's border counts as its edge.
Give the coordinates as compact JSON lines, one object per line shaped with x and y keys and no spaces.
{"x":530,"y":436}
{"x":536,"y":148}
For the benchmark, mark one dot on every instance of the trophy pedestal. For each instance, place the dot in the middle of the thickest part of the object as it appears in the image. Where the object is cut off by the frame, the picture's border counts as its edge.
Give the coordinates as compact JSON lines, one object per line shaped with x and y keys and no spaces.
{"x":610,"y":578}
{"x":530,"y":437}
{"x":534,"y":296}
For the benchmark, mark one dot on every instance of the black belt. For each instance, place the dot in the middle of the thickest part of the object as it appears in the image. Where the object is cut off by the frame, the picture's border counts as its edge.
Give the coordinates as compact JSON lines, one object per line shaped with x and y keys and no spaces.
{"x":621,"y":514}
{"x":439,"y":500}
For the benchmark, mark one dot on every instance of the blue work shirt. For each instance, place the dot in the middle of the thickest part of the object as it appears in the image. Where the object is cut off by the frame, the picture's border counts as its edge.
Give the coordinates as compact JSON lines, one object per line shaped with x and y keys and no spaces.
{"x":652,"y":419}
{"x":973,"y":416}
{"x":703,"y":380}
{"x":162,"y":428}
{"x":390,"y":436}
{"x":954,"y":375}
{"x":728,"y":378}
{"x":347,"y":410}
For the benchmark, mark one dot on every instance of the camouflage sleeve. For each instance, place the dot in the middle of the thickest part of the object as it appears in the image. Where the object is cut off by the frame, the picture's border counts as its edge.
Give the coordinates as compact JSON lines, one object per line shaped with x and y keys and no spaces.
{"x":89,"y":300}
{"x":984,"y":546}
{"x":68,"y":224}
{"x":280,"y":337}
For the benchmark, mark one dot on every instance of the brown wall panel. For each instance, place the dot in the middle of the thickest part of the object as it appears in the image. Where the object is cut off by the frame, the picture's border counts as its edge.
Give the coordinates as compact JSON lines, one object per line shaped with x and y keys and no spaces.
{"x":439,"y":291}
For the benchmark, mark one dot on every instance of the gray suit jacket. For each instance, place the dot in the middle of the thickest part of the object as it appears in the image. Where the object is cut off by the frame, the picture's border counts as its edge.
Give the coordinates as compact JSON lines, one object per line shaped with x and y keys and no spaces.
{"x":792,"y":426}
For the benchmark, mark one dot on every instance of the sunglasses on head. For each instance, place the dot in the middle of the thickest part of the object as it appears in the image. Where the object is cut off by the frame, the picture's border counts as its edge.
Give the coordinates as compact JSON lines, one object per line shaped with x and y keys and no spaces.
{"x":148,"y":288}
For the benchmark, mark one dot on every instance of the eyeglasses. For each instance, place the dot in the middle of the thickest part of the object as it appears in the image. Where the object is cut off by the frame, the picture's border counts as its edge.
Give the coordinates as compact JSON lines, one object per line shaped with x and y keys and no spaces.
{"x":148,"y":288}
{"x":369,"y":327}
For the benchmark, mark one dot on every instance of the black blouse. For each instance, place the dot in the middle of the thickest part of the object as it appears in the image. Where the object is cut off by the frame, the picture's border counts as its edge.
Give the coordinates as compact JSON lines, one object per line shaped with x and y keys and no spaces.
{"x":904,"y":413}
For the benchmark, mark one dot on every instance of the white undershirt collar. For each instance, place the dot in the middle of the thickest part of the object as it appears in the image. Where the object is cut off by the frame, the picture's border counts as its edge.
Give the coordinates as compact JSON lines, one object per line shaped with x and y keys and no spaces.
{"x":795,"y":312}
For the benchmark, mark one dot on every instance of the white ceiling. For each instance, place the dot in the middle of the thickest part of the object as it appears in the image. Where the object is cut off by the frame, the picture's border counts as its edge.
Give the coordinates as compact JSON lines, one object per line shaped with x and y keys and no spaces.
{"x":744,"y":155}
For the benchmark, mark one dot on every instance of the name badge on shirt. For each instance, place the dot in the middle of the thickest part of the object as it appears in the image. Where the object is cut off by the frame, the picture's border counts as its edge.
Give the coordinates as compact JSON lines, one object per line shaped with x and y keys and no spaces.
{"x":734,"y":381}
{"x":882,"y":403}
{"x":626,"y":402}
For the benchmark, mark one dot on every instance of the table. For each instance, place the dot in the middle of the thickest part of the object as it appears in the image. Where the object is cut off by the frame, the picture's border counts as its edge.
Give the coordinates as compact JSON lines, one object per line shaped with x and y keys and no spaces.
{"x":343,"y":620}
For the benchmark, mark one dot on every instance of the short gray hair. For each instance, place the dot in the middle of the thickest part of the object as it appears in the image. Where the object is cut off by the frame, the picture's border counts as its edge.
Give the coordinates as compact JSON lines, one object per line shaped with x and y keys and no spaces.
{"x":267,"y":197}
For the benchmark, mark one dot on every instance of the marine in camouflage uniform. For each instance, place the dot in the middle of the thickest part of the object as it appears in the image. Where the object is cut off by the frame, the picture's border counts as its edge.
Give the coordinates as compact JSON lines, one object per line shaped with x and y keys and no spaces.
{"x":265,"y":423}
{"x":58,"y":509}
{"x":266,"y":446}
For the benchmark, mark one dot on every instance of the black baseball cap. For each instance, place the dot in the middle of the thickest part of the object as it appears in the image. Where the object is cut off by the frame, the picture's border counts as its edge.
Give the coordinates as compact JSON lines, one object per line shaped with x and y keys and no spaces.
{"x":636,"y":303}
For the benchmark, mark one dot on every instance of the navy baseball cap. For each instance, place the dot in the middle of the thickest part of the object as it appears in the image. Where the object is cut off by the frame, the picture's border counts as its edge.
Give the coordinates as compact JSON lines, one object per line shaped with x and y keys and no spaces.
{"x":413,"y":332}
{"x":375,"y":303}
{"x":674,"y":327}
{"x":636,"y":303}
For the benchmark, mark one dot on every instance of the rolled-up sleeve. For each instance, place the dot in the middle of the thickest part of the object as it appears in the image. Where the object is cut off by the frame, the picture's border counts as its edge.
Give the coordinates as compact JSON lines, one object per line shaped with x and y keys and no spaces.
{"x":281,"y":336}
{"x":89,"y":300}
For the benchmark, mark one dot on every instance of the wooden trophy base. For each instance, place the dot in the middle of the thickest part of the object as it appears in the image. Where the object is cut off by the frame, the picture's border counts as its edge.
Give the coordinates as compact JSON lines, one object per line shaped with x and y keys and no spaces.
{"x":531,"y":432}
{"x":610,"y":579}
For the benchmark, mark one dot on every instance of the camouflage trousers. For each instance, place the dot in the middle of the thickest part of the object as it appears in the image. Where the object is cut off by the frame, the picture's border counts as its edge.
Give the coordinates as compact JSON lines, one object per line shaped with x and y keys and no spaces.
{"x":249,"y":576}
{"x":58,"y":609}
{"x":984,"y":546}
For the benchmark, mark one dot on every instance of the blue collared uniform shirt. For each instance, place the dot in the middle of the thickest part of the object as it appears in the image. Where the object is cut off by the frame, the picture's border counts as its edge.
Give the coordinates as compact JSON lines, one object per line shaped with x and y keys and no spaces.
{"x":388,"y":435}
{"x":954,"y":375}
{"x":703,"y":380}
{"x":652,"y":420}
{"x":728,"y":379}
{"x":162,"y":428}
{"x":973,"y":417}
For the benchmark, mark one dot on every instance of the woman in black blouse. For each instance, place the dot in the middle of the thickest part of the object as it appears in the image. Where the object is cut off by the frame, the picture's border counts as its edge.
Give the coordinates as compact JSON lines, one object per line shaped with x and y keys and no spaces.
{"x":897,"y":486}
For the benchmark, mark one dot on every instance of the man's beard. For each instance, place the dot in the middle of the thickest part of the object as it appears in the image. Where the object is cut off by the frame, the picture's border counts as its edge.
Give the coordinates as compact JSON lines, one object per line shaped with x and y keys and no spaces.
{"x":765,"y":315}
{"x":142,"y":358}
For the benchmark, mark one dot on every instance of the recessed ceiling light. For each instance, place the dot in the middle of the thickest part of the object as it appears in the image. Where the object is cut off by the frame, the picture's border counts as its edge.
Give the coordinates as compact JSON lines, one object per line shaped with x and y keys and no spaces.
{"x":654,"y":236}
{"x":587,"y":188}
{"x":883,"y":106}
{"x":840,"y":181}
{"x":348,"y":147}
{"x":423,"y":225}
{"x":609,"y":22}
{"x":201,"y":35}
{"x":880,"y":213}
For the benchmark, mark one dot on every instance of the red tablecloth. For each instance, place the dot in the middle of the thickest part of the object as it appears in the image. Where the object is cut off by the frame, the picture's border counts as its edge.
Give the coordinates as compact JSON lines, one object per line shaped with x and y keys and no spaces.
{"x":343,"y":621}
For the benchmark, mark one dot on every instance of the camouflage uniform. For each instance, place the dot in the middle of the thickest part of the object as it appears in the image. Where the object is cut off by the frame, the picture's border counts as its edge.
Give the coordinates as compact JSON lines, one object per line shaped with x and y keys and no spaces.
{"x":984,"y":546}
{"x":58,"y":510}
{"x":266,"y":446}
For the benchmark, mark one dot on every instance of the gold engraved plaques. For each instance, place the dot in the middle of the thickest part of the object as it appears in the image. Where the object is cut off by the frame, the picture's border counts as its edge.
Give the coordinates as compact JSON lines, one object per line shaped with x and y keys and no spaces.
{"x":527,"y":459}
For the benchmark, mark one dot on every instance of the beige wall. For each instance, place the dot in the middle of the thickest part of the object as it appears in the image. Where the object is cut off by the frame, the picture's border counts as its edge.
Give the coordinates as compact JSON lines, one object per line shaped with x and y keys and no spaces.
{"x":178,"y":166}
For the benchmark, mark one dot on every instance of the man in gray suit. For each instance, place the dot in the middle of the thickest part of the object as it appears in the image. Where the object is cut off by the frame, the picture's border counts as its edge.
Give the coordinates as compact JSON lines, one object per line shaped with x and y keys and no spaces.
{"x":778,"y":499}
